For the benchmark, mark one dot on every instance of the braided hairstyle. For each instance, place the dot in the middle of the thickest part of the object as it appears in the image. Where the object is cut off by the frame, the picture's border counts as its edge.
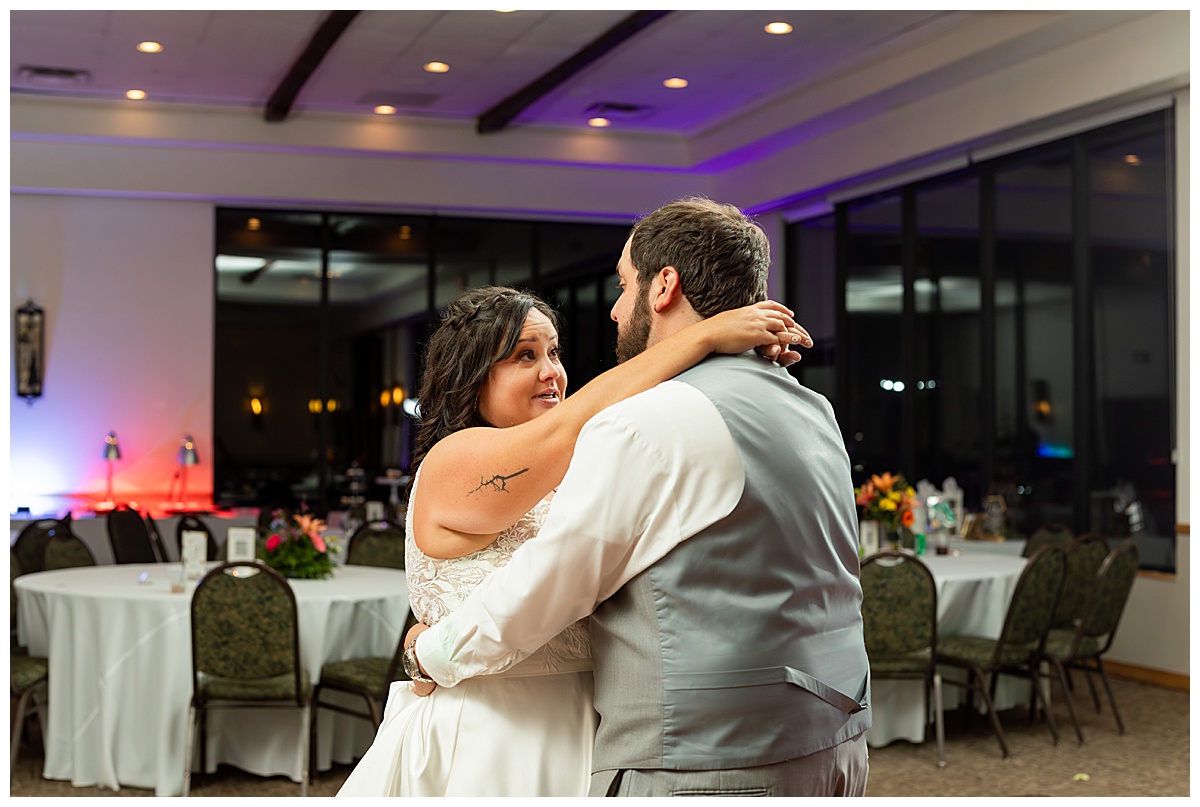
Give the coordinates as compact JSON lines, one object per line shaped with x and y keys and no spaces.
{"x":478,"y":329}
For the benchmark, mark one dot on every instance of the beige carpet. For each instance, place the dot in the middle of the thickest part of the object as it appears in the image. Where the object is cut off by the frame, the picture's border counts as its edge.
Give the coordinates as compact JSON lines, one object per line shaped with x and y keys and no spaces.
{"x":1152,"y":758}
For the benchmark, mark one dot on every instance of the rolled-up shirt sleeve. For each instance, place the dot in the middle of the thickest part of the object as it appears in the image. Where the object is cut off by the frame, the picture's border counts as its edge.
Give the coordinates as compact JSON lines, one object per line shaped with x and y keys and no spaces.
{"x":646,"y":474}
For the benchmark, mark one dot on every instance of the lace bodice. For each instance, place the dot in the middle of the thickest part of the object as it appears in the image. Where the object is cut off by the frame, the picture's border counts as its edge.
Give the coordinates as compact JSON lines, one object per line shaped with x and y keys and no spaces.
{"x":438,"y":586}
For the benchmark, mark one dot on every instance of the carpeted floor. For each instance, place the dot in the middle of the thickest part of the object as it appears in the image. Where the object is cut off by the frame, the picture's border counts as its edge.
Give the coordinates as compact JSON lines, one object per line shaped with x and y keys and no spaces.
{"x":1152,"y":758}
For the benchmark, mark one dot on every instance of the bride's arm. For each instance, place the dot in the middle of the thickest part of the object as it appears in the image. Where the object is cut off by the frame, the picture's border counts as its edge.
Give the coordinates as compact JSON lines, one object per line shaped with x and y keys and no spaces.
{"x":476,"y":482}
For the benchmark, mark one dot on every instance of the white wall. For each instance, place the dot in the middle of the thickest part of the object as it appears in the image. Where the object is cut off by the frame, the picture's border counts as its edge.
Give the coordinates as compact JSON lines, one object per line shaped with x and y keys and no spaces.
{"x":127,"y":286}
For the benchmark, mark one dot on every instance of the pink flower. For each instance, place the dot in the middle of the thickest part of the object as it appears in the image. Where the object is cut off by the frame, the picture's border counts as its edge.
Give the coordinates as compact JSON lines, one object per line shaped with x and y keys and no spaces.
{"x":273,"y":542}
{"x":317,"y":541}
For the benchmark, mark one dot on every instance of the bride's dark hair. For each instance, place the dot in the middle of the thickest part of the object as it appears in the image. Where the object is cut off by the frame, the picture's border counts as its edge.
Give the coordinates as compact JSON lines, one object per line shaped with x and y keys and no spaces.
{"x":479,"y":328}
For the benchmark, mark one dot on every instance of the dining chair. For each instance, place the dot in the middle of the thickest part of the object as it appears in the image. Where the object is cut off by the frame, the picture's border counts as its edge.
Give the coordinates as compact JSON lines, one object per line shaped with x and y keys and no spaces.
{"x":1086,"y":554}
{"x":28,"y":546}
{"x":899,"y":612}
{"x":156,"y":538}
{"x":1081,"y":646}
{"x":245,"y":652}
{"x":63,"y":549}
{"x":1018,"y":648}
{"x":129,"y":536}
{"x":28,"y":676}
{"x":368,"y":678}
{"x":1059,"y":535}
{"x":378,"y":543}
{"x":190,"y":523}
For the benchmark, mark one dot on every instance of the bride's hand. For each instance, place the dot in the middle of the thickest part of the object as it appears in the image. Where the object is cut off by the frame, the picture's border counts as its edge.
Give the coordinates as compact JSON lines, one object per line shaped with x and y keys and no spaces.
{"x":767,"y":326}
{"x":419,"y":688}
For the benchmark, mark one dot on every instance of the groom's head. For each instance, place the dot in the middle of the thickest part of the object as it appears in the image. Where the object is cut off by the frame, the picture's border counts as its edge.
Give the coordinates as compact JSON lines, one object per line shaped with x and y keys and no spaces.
{"x":685,"y":262}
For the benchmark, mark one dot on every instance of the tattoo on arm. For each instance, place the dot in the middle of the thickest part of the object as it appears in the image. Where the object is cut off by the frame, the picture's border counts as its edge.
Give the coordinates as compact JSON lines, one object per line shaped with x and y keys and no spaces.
{"x":498,"y":483}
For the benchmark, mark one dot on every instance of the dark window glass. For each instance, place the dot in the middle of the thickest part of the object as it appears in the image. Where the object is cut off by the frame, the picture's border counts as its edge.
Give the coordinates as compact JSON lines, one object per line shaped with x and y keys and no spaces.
{"x":874,"y":355}
{"x":1132,"y":476}
{"x":1034,"y":342}
{"x":945,"y":388}
{"x":811,"y":293}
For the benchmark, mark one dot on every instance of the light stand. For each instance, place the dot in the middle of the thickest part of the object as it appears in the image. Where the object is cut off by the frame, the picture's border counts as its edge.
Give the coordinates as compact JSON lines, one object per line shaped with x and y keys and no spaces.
{"x":186,"y":457}
{"x":112,"y":453}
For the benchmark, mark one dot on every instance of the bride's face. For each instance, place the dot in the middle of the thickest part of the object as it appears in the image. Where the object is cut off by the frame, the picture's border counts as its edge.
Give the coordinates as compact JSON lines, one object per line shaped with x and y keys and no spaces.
{"x":530,"y":381}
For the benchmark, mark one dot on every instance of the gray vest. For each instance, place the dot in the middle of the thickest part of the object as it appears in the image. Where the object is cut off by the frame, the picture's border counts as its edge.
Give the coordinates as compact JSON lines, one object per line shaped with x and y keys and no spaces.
{"x":744,"y":645}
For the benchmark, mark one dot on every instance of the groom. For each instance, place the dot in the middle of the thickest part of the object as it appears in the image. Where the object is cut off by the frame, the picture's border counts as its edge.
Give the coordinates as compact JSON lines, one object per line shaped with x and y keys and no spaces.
{"x":709,"y":527}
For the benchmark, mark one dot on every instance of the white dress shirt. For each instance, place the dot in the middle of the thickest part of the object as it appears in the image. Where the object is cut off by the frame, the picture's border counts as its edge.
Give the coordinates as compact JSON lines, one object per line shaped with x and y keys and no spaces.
{"x":647,"y":473}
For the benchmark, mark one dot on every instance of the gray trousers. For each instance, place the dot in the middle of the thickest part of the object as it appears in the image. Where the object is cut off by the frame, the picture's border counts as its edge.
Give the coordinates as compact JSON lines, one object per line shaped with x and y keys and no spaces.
{"x":837,"y":771}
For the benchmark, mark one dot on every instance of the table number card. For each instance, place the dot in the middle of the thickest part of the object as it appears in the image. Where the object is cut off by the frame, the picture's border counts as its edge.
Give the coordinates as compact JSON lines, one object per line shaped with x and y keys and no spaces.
{"x":868,"y":537}
{"x":375,"y":511}
{"x":193,"y":552}
{"x":239,"y":544}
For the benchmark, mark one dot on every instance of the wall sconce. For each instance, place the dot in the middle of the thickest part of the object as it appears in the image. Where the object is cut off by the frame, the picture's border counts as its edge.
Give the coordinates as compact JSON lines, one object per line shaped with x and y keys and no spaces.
{"x":30,"y":348}
{"x":112,"y":453}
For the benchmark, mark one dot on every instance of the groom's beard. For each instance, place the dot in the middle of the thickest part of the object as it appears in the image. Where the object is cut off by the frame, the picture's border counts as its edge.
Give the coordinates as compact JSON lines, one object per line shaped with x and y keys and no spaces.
{"x":633,"y":337}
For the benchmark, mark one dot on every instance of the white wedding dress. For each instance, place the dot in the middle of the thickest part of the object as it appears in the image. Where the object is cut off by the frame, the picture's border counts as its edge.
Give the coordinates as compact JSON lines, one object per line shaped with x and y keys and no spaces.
{"x":525,"y":732}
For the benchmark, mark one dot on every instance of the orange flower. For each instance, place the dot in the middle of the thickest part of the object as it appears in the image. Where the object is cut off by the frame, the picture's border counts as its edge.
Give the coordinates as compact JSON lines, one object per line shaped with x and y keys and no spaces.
{"x":885,"y":482}
{"x":865,"y":495}
{"x":907,"y":518}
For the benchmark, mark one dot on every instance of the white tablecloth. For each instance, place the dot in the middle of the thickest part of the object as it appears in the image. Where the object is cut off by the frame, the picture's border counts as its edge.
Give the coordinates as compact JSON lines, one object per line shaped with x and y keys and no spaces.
{"x":973,"y":592}
{"x":120,"y":672}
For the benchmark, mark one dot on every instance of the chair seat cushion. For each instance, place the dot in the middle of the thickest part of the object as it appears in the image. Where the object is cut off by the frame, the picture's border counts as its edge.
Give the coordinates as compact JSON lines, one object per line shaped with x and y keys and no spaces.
{"x":367,"y":675}
{"x":1058,"y":645}
{"x":274,"y":688}
{"x":916,"y":662}
{"x":978,"y":650}
{"x":25,"y":671}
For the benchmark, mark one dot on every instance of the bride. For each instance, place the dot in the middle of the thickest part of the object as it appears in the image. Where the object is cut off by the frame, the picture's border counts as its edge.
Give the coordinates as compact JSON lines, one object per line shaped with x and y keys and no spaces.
{"x":497,"y":434}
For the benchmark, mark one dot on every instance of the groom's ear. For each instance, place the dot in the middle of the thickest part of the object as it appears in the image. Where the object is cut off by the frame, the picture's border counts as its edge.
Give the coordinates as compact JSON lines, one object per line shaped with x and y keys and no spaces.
{"x":665,"y":290}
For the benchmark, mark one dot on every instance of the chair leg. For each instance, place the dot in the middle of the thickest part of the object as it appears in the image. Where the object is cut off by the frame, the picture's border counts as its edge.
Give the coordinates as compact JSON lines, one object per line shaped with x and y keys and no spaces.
{"x":1092,"y":686}
{"x":19,"y":724}
{"x":312,"y":735}
{"x":187,"y":748}
{"x":1063,"y":681}
{"x":1041,"y":696}
{"x":939,"y":719}
{"x":1108,"y":689}
{"x":978,"y":675}
{"x":308,"y":723}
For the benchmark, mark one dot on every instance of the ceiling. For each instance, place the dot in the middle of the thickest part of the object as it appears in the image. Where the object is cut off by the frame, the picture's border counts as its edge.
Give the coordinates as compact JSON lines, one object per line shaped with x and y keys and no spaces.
{"x":242,"y":58}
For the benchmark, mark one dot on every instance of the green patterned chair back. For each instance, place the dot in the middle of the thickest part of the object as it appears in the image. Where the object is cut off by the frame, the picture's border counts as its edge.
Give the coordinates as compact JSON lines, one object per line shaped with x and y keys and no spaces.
{"x":1031,"y":611}
{"x":899,"y":607}
{"x":1108,"y":600}
{"x":129,"y":536}
{"x":28,"y":545}
{"x":1058,"y":535}
{"x":380,"y":543}
{"x":1083,"y":563}
{"x":64,"y":549}
{"x":244,"y":629}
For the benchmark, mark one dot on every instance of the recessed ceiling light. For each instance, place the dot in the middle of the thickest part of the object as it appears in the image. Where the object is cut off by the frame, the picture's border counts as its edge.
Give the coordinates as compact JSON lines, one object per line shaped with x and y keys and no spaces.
{"x":778,"y":28}
{"x":384,"y":109}
{"x":253,"y":224}
{"x":504,"y":10}
{"x":135,"y":95}
{"x":436,"y":67}
{"x":1133,"y":159}
{"x":675,"y":83}
{"x":599,"y":123}
{"x":150,"y":47}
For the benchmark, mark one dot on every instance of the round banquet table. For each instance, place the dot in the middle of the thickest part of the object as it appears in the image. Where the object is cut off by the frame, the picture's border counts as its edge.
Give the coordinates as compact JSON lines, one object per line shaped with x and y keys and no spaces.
{"x":121,"y":674}
{"x":973,"y":592}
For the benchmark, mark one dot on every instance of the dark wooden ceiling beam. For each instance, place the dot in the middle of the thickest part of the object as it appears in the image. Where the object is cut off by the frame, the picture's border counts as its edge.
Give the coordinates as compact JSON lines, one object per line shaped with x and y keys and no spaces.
{"x":280,"y":103}
{"x":499,"y":116}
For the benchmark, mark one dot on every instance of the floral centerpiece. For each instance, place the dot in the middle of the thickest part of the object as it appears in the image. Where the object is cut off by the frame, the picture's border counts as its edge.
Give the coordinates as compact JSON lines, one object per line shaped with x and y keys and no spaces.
{"x":889,"y":500}
{"x":296,"y":548}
